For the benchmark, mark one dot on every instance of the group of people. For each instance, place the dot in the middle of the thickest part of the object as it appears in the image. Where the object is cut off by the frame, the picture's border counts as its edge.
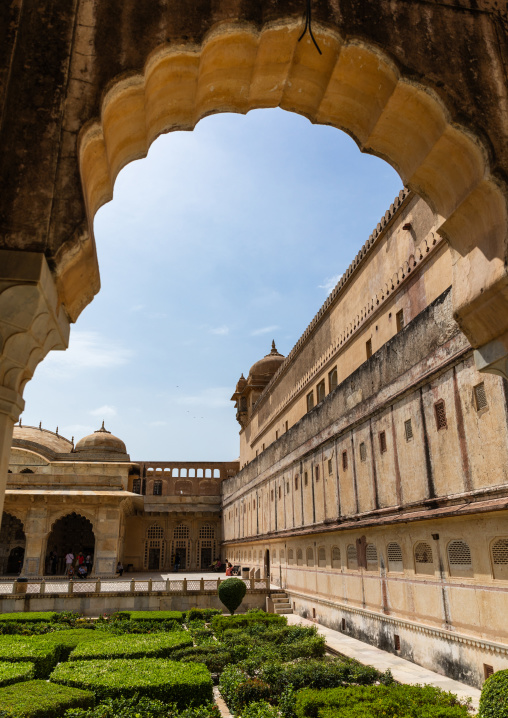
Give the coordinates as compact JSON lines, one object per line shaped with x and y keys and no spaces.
{"x":80,"y":565}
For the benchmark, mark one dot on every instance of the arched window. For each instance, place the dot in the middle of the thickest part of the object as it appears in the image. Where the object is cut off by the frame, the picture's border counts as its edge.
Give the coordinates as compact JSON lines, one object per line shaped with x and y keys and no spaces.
{"x":423,"y":558}
{"x":394,"y":553}
{"x":26,"y":471}
{"x":336,"y":563}
{"x":499,"y":551}
{"x":282,"y":555}
{"x":291,"y":556}
{"x":157,"y":488}
{"x":299,"y":557}
{"x":459,"y":559}
{"x":155,"y":548}
{"x":181,"y":532}
{"x":352,"y":557}
{"x":310,"y":557}
{"x":321,"y":556}
{"x":184,"y":487}
{"x":155,"y":532}
{"x":371,"y":556}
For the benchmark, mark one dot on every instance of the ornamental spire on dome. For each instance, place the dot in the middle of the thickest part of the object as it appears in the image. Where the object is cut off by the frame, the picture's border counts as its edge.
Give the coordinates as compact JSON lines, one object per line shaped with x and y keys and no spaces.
{"x":274,"y":348}
{"x":102,"y":430}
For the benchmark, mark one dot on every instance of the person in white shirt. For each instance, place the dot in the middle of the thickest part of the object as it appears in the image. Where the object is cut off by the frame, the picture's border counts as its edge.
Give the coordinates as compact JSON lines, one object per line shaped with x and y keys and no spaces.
{"x":69,"y":558}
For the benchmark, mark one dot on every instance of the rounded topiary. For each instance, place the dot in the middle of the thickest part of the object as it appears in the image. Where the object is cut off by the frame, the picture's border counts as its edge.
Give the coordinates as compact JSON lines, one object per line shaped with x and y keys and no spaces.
{"x":494,"y":699}
{"x":231,"y":593}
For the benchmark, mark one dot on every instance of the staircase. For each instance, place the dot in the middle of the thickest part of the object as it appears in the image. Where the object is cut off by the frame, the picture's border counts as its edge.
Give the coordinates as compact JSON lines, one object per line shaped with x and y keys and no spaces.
{"x":281,"y":604}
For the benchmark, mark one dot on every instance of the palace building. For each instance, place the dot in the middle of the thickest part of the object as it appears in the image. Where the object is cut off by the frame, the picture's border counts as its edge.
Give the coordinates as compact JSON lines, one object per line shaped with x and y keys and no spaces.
{"x":372,"y":484}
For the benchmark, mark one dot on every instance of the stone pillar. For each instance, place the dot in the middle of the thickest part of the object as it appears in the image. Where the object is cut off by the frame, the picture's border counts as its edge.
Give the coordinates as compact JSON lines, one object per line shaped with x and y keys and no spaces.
{"x":107,"y":531}
{"x":32,"y":322}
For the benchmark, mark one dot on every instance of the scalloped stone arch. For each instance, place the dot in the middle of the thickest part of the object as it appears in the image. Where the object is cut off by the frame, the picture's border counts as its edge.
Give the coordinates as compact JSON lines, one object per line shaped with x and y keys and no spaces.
{"x":351,"y":86}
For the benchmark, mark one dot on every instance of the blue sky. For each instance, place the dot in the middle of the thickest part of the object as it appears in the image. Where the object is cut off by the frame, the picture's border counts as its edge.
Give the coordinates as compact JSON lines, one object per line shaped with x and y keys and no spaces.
{"x":221,"y":240}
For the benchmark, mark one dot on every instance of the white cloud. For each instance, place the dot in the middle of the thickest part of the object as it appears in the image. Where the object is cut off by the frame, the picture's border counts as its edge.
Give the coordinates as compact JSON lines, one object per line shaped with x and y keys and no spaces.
{"x":104,"y":411}
{"x":330,"y":282}
{"x":220,"y":331}
{"x":264,"y":330}
{"x":87,"y":350}
{"x":212,"y":398}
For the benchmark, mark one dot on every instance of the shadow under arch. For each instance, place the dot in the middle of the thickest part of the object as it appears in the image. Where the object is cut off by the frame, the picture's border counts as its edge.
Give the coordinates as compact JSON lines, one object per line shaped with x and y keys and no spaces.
{"x":352,"y":86}
{"x":12,"y":544}
{"x":69,"y":532}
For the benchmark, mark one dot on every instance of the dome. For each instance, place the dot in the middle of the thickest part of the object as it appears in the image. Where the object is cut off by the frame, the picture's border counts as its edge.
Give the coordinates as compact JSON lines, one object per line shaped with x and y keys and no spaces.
{"x":101,"y":441}
{"x":28,"y":435}
{"x":269,"y":364}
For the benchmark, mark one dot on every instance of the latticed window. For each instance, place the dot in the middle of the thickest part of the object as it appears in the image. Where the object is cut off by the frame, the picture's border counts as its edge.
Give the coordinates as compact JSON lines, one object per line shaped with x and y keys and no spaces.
{"x":344,"y":460}
{"x":371,"y":555}
{"x":136,"y":486}
{"x":181,"y":532}
{"x":352,"y":557}
{"x":394,"y":553}
{"x":363,"y":451}
{"x":155,"y":532}
{"x":500,"y":558}
{"x":480,"y":397}
{"x":423,"y":553}
{"x":207,"y":532}
{"x":459,"y":558}
{"x":157,"y":488}
{"x":322,"y":556}
{"x":382,"y":441}
{"x":310,"y":557}
{"x":440,"y":412}
{"x":336,"y":557}
{"x":299,"y":557}
{"x":408,"y":429}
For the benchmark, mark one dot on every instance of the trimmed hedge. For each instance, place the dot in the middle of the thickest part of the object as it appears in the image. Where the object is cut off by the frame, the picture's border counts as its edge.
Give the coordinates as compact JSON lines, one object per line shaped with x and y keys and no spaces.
{"x":186,"y":684}
{"x":213,"y":655}
{"x":30,"y":617}
{"x":396,"y":701}
{"x":244,"y":620}
{"x":201,"y":614}
{"x":494,"y":698}
{"x":231,"y":593}
{"x":43,"y":655}
{"x":155,"y":615}
{"x":314,"y":673}
{"x":15,"y":672}
{"x":40,"y":699}
{"x":153,"y":645}
{"x":67,"y":640}
{"x":142,"y":708}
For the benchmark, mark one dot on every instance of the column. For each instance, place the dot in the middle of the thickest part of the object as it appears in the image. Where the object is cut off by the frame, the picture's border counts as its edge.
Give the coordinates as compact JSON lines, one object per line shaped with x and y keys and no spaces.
{"x":32,"y":322}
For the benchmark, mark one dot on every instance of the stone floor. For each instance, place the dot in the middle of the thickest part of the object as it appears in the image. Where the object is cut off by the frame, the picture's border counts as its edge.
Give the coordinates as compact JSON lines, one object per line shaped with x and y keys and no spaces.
{"x":402,"y":670}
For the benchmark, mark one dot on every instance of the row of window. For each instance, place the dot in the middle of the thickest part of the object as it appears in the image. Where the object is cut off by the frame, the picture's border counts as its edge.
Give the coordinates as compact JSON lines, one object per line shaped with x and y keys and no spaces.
{"x":182,"y":486}
{"x":358,"y":556}
{"x":182,"y":531}
{"x":185,"y":473}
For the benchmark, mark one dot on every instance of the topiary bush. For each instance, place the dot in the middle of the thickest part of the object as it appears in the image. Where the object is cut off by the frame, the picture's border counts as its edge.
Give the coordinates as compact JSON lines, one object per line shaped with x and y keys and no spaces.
{"x":494,"y":698}
{"x":186,"y":684}
{"x":154,"y":645}
{"x":231,"y":593}
{"x":40,"y":699}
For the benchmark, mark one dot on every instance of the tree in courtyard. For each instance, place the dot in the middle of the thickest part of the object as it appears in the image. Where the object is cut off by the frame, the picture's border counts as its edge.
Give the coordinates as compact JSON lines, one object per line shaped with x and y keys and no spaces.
{"x":231,"y":593}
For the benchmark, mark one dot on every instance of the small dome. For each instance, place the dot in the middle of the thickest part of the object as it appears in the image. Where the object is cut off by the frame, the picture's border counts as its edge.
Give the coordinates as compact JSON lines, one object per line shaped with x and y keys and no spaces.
{"x":269,"y":364}
{"x":41,"y":437}
{"x":241,"y":384}
{"x":100,"y":441}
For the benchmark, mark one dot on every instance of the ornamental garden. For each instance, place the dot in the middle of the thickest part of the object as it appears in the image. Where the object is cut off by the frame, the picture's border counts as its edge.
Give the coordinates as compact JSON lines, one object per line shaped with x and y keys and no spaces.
{"x":173,"y":665}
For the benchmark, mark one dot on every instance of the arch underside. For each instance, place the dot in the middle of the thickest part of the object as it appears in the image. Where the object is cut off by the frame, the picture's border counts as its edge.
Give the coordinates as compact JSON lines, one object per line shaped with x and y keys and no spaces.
{"x":351,"y":86}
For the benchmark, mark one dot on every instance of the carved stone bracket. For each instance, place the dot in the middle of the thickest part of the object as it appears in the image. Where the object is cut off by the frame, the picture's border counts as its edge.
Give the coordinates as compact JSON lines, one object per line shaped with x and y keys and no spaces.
{"x":492,"y":358}
{"x":32,"y":322}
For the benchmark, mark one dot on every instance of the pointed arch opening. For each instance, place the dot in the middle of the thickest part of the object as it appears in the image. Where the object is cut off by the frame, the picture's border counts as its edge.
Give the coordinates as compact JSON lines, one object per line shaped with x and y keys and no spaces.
{"x":72,"y":533}
{"x":12,"y":545}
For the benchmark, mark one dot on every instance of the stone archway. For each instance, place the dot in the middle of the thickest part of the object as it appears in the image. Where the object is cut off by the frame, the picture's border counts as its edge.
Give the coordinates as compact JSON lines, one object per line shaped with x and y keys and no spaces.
{"x":395,"y":75}
{"x":72,"y":532}
{"x":12,"y":545}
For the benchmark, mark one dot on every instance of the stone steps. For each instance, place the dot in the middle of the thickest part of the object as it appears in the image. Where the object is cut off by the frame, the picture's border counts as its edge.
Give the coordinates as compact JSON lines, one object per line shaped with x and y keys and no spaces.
{"x":281,"y":603}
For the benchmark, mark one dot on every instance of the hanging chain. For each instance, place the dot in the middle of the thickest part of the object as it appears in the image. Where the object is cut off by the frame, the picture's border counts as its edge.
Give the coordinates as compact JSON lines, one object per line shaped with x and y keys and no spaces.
{"x":308,"y":26}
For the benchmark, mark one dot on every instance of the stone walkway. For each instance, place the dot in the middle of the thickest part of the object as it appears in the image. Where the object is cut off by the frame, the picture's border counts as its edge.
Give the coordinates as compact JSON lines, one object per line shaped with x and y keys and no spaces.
{"x":403,"y":671}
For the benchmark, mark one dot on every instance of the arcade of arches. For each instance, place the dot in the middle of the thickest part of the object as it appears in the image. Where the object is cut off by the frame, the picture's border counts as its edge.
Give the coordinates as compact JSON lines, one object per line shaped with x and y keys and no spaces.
{"x":385,"y":429}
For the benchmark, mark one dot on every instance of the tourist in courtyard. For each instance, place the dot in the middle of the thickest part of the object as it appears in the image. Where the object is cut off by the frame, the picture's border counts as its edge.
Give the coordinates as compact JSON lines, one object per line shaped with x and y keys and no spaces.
{"x":82,"y":570}
{"x":88,"y":562}
{"x":119,"y":568}
{"x":177,"y":562}
{"x":229,"y":569}
{"x":69,"y":558}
